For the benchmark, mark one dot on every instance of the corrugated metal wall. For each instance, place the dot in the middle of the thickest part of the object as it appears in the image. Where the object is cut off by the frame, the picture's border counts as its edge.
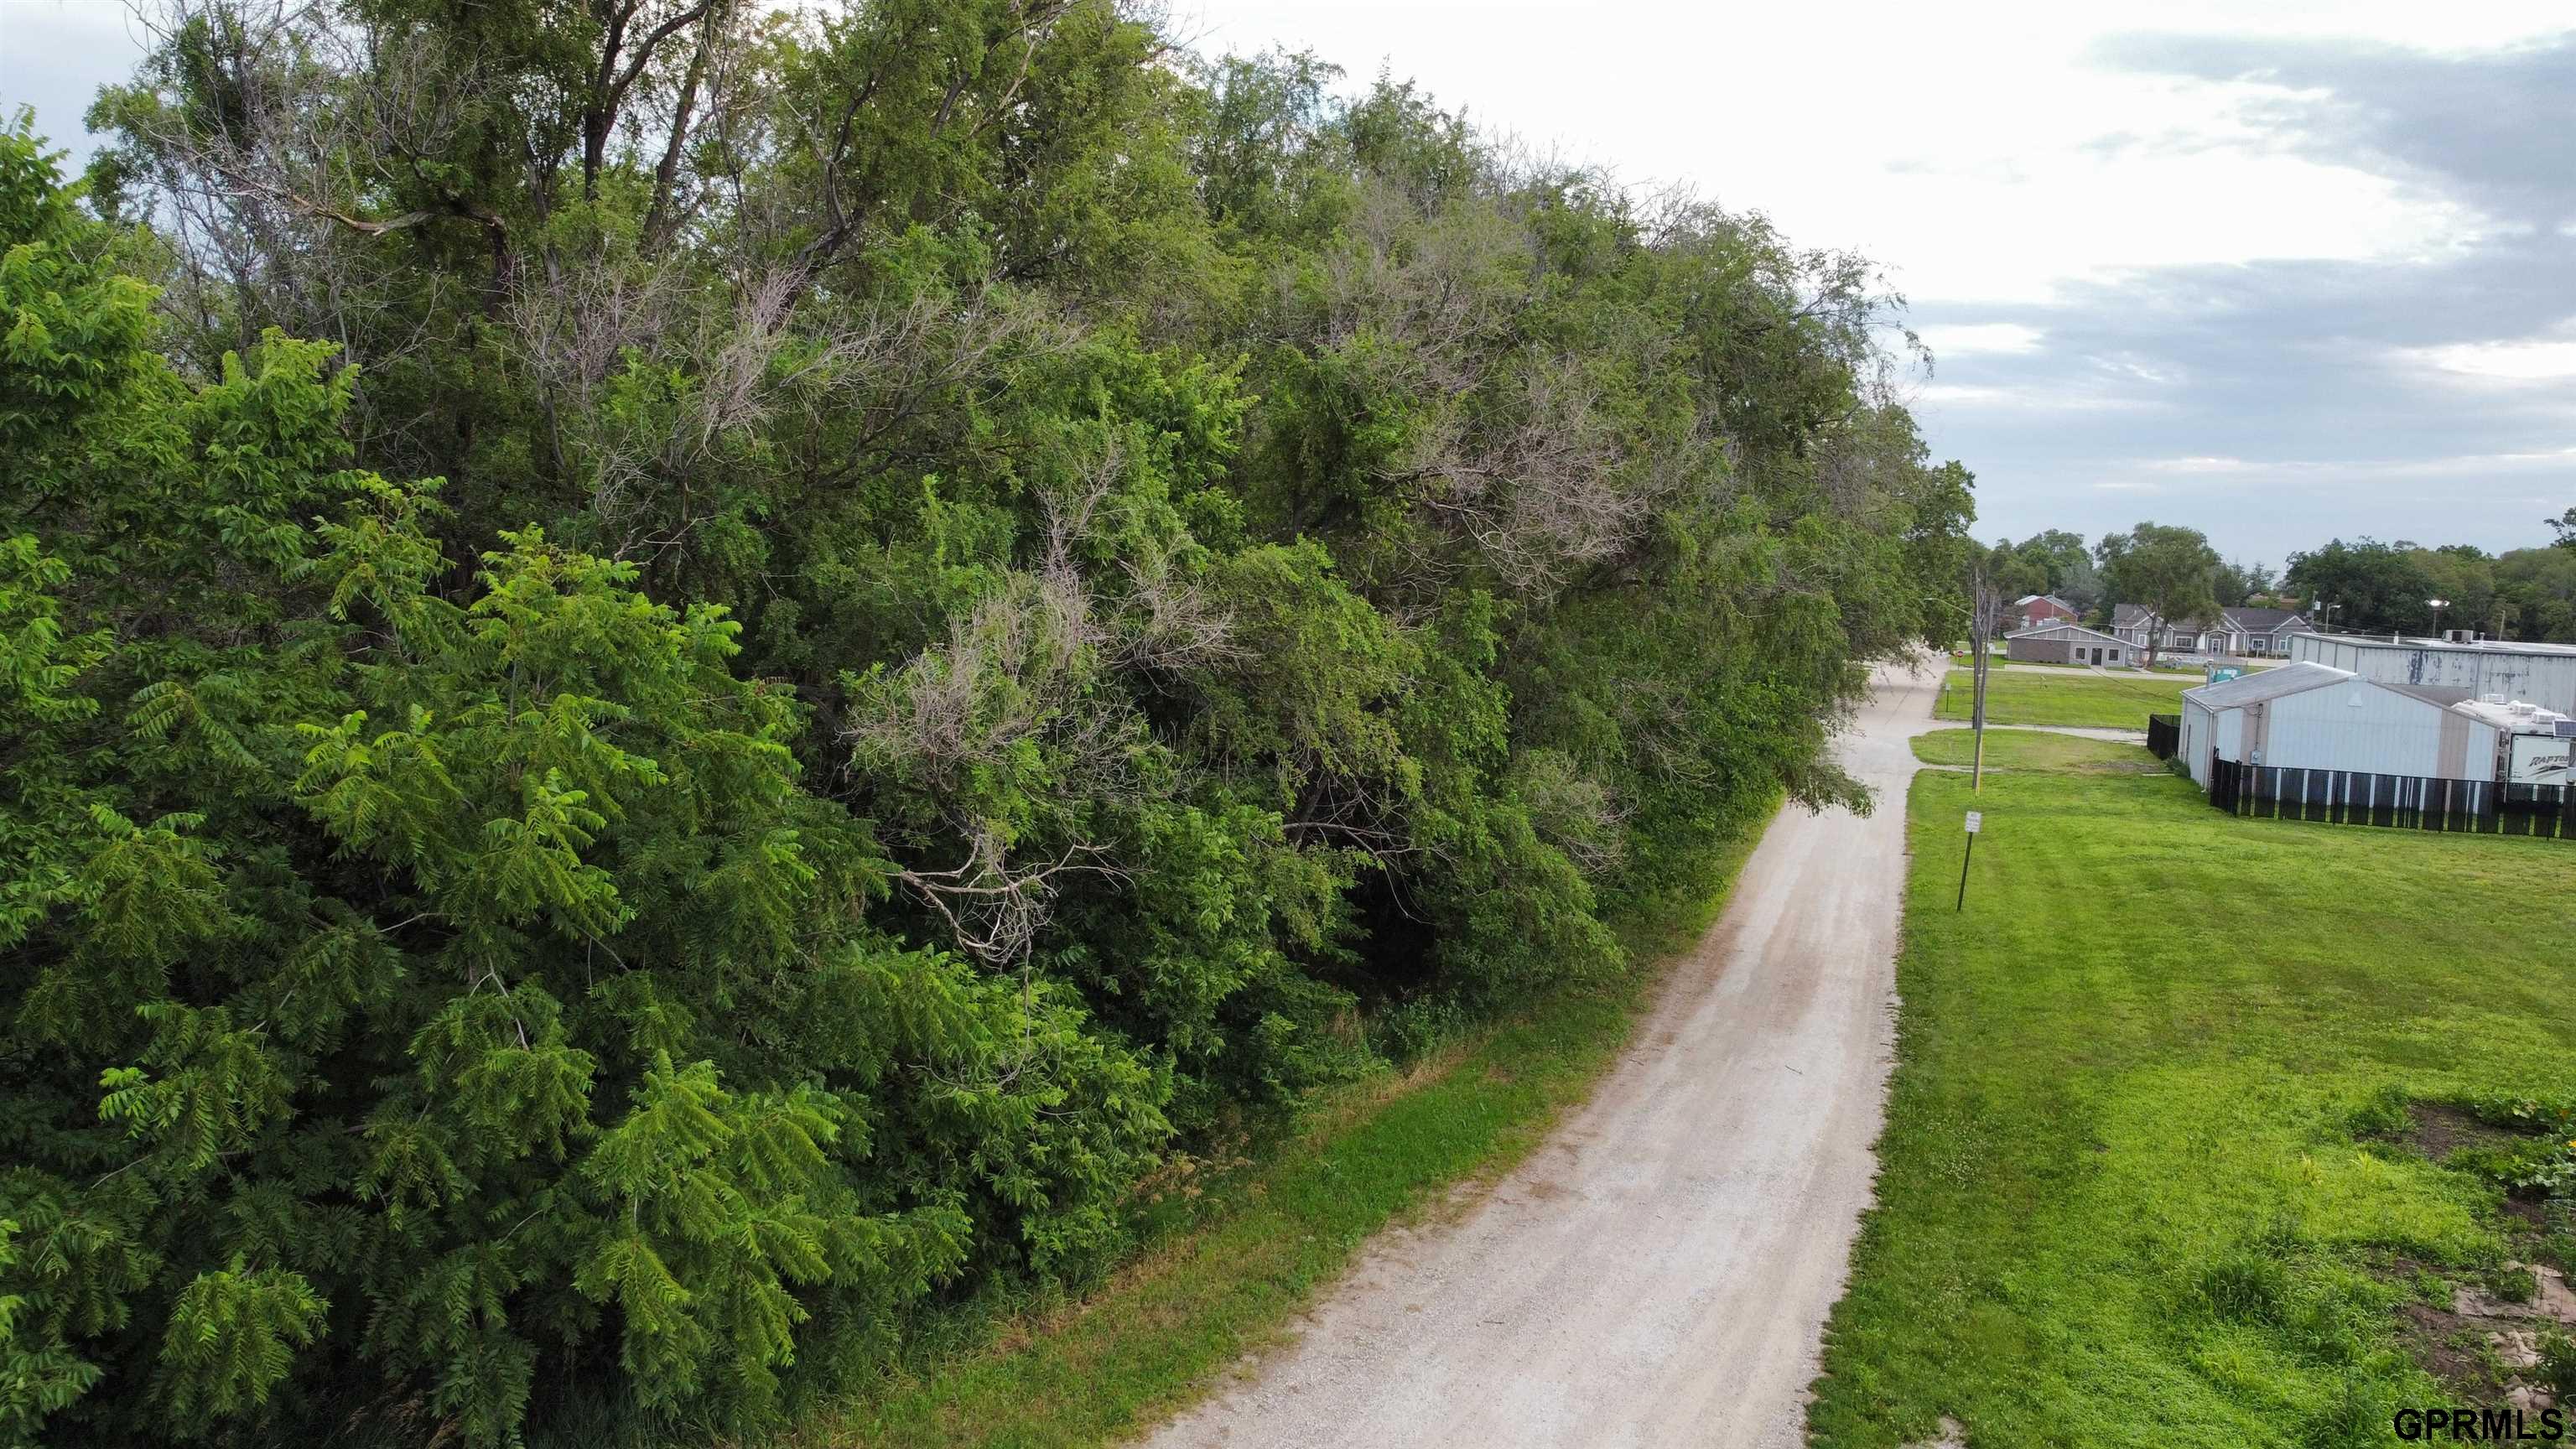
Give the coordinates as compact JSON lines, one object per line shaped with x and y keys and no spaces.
{"x":2196,"y":737}
{"x":2357,"y":726}
{"x":2548,"y":680}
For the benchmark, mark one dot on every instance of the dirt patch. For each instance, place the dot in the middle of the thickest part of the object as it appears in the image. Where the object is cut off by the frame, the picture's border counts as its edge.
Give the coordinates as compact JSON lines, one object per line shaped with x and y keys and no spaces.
{"x":2482,"y":1346}
{"x":2437,"y":1130}
{"x":1953,"y":1436}
{"x":2449,"y":1346}
{"x":2484,"y":1338}
{"x":2551,"y":1302}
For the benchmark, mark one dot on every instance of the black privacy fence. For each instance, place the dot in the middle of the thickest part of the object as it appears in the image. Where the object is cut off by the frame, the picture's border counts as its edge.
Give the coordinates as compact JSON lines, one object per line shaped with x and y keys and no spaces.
{"x":2164,"y":735}
{"x":2406,"y":802}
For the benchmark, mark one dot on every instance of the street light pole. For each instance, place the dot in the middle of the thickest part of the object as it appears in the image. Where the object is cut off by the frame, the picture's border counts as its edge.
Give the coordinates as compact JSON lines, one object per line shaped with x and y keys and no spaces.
{"x":2438,"y":606}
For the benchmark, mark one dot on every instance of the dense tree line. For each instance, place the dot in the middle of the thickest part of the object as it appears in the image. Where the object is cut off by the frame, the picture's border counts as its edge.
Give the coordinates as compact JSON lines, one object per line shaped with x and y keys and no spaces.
{"x":2370,"y":586}
{"x":2521,"y":593}
{"x":680,"y":681}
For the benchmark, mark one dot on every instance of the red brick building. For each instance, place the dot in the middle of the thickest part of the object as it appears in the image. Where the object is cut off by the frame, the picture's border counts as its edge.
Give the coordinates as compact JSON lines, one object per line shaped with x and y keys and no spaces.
{"x":2032,"y":610}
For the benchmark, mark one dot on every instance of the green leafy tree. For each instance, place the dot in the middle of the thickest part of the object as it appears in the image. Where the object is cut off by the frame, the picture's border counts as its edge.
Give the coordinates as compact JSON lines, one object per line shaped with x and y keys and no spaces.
{"x":2169,"y":571}
{"x":2067,"y":564}
{"x":2372,"y":586}
{"x":423,"y":998}
{"x":2239,"y":583}
{"x":2015,"y":574}
{"x":980,"y":597}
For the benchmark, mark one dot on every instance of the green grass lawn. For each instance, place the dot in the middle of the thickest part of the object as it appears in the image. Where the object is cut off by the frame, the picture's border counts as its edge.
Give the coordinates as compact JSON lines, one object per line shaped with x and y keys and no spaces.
{"x":2023,"y":749}
{"x":2055,"y":697}
{"x":2127,"y":1196}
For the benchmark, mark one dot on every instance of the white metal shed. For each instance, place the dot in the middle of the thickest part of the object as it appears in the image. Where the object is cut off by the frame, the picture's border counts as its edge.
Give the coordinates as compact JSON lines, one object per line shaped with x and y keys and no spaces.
{"x":2316,"y":717}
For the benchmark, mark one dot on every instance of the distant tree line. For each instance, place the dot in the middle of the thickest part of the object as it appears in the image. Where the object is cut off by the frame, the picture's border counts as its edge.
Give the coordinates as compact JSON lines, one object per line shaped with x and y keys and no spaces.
{"x":2363,"y":585}
{"x":680,"y":681}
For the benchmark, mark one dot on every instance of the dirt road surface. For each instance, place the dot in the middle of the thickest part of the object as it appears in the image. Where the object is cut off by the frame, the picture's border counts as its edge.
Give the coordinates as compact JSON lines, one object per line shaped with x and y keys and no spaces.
{"x":1657,"y":1273}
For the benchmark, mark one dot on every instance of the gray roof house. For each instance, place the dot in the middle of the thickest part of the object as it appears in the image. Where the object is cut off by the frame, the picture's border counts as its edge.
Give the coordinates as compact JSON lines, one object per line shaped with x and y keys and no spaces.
{"x":2244,"y":630}
{"x":2063,"y":643}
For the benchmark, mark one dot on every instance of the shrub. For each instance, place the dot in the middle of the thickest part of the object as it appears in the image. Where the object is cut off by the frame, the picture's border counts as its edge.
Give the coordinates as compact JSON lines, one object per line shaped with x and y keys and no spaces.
{"x":416,"y":1000}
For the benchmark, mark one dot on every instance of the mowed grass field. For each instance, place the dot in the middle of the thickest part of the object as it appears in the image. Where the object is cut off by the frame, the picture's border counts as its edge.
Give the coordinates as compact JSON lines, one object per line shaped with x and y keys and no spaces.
{"x":2027,"y":749}
{"x":2064,"y":697}
{"x":2126,"y":1197}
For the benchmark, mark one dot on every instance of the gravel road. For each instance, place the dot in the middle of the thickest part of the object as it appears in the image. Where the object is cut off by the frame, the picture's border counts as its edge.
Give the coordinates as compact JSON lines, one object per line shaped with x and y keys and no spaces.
{"x":1658,"y":1273}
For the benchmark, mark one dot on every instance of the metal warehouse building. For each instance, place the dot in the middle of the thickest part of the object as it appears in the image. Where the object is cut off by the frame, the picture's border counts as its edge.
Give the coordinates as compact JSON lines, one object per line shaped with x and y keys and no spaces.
{"x":2065,"y":644}
{"x":2312,"y":716}
{"x":2541,"y":674}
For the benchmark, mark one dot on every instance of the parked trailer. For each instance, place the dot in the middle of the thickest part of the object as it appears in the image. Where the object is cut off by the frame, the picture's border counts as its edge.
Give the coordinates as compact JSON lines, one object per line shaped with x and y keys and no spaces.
{"x":2532,"y":743}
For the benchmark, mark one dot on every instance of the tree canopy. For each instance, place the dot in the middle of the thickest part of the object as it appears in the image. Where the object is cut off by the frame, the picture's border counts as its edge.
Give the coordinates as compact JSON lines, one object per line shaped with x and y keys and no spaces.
{"x":2166,"y":569}
{"x":2364,"y":584}
{"x":2527,"y":593}
{"x":682,"y":682}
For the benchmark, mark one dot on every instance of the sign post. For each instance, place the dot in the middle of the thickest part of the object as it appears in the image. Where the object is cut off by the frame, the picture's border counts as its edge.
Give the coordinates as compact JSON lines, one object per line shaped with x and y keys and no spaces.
{"x":1976,"y":819}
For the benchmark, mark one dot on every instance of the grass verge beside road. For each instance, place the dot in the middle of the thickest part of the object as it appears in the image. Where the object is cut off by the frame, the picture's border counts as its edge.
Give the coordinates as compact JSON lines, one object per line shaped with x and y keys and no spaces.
{"x":1165,"y":1328}
{"x":2128,"y":1196}
{"x":2053,"y":697}
{"x":2028,"y":749}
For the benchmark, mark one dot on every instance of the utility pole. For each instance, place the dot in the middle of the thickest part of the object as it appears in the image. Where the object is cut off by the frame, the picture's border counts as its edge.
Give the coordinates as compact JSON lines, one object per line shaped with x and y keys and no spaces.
{"x":1985,"y":610}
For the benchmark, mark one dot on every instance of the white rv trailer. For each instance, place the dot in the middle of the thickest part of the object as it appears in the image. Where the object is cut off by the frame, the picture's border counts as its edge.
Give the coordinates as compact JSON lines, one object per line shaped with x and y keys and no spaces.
{"x":2532,"y":743}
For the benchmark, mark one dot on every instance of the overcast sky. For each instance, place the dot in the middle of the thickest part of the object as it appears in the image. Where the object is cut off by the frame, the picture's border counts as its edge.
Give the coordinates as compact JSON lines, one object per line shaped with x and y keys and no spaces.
{"x":2278,"y":271}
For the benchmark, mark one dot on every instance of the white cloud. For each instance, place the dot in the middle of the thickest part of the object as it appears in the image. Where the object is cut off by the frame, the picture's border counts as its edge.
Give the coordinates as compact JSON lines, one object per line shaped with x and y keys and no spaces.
{"x":2199,"y":465}
{"x":2129,"y":367}
{"x":1935,"y":396}
{"x":2524,"y":359}
{"x":2242,"y":473}
{"x":1967,"y":338}
{"x":1965,"y":147}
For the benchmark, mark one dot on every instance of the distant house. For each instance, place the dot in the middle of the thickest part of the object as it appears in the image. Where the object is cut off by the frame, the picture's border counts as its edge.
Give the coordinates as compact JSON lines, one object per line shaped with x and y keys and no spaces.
{"x":2242,"y":631}
{"x":2264,"y":633}
{"x":2032,"y":610}
{"x":2065,"y":644}
{"x":2148,"y":630}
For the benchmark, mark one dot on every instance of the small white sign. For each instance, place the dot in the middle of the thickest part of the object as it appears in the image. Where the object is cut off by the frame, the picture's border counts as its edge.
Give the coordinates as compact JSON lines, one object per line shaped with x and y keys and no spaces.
{"x":1975,"y":819}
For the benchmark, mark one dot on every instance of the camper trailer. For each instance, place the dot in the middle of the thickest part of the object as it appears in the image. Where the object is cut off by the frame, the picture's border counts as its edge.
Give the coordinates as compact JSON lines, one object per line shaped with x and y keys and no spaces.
{"x":2532,"y":743}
